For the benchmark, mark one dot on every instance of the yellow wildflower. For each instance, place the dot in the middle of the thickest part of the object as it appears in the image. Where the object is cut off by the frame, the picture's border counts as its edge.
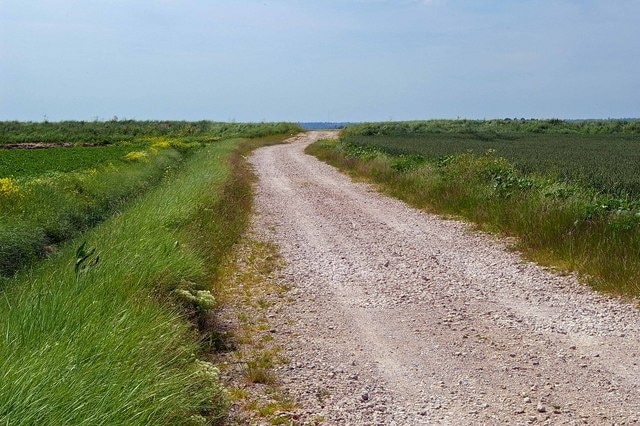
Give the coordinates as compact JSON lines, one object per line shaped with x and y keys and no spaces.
{"x":8,"y":187}
{"x":136,"y":156}
{"x":160,"y":143}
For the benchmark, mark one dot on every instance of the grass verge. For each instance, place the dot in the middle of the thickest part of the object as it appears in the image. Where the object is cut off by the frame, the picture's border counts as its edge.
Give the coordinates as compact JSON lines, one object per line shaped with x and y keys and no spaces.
{"x":556,"y":224}
{"x":251,"y":295}
{"x":88,"y":341}
{"x":37,"y":213}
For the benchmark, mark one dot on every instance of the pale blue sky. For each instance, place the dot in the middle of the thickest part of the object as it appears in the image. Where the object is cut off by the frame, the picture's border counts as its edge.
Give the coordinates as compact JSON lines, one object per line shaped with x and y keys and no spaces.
{"x":308,"y":60}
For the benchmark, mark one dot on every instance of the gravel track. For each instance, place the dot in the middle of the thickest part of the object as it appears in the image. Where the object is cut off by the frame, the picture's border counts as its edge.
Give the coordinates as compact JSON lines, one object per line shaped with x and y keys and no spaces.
{"x":401,"y":317}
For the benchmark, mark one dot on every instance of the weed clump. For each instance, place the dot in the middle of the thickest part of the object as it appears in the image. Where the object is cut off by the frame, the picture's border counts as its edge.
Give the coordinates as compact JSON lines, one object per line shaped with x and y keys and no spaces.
{"x":8,"y":187}
{"x":137,"y":156}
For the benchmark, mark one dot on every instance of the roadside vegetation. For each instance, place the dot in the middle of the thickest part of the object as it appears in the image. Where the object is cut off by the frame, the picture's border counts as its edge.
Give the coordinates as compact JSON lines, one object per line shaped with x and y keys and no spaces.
{"x":116,"y":326}
{"x":50,"y":195}
{"x":113,"y":131}
{"x":250,"y":298}
{"x":39,"y":211}
{"x":602,"y":155}
{"x":568,"y":191}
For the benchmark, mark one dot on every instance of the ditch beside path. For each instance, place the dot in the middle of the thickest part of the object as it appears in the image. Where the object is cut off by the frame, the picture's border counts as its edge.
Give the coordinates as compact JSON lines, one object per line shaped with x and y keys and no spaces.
{"x":396,"y":316}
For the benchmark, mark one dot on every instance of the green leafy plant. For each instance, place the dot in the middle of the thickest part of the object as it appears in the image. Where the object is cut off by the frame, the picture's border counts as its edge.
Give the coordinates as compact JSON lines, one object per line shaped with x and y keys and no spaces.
{"x":85,"y":259}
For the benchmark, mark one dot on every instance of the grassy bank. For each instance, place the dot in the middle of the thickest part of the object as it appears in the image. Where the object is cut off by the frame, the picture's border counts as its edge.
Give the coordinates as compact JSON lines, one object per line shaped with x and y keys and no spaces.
{"x":51,"y":205}
{"x":48,"y":196}
{"x":560,"y":223}
{"x":106,"y":341}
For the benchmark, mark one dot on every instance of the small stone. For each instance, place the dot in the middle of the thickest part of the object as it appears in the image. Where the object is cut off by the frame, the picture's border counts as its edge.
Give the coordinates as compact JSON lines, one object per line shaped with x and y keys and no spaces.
{"x":364,"y":397}
{"x":541,"y":408}
{"x":519,"y":410}
{"x":527,"y":400}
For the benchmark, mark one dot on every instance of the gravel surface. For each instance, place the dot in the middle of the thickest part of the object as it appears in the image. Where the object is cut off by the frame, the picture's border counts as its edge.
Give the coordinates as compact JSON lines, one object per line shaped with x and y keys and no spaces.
{"x":401,"y":317}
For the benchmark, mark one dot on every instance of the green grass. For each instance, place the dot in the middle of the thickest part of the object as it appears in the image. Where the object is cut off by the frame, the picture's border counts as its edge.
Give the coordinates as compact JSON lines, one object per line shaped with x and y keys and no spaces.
{"x":564,"y":224}
{"x":113,"y":131}
{"x":20,"y":163}
{"x":50,"y":195}
{"x":45,"y":210}
{"x":111,"y":345}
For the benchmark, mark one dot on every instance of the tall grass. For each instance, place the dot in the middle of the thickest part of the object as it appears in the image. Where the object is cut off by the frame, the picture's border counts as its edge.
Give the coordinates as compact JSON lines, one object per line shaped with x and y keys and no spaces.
{"x":217,"y":228}
{"x":46,"y":210}
{"x":108,"y":343}
{"x":557,"y":223}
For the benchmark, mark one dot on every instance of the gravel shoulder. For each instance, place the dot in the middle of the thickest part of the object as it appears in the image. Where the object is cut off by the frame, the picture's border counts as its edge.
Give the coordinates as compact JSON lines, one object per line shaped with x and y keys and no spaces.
{"x":396,"y":316}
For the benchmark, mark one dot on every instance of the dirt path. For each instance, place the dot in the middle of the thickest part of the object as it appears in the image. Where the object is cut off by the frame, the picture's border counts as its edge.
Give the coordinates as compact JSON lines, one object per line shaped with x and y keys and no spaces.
{"x":399,"y":317}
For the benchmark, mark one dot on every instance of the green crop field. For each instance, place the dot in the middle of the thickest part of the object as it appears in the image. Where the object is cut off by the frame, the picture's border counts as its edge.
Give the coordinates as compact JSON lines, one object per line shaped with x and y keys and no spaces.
{"x":42,"y":210}
{"x":608,"y":163}
{"x":48,"y":195}
{"x":20,"y":163}
{"x":606,"y":160}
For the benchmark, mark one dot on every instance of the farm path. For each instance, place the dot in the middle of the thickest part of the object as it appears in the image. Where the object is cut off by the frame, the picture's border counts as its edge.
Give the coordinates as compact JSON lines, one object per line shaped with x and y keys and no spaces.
{"x":396,"y":316}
